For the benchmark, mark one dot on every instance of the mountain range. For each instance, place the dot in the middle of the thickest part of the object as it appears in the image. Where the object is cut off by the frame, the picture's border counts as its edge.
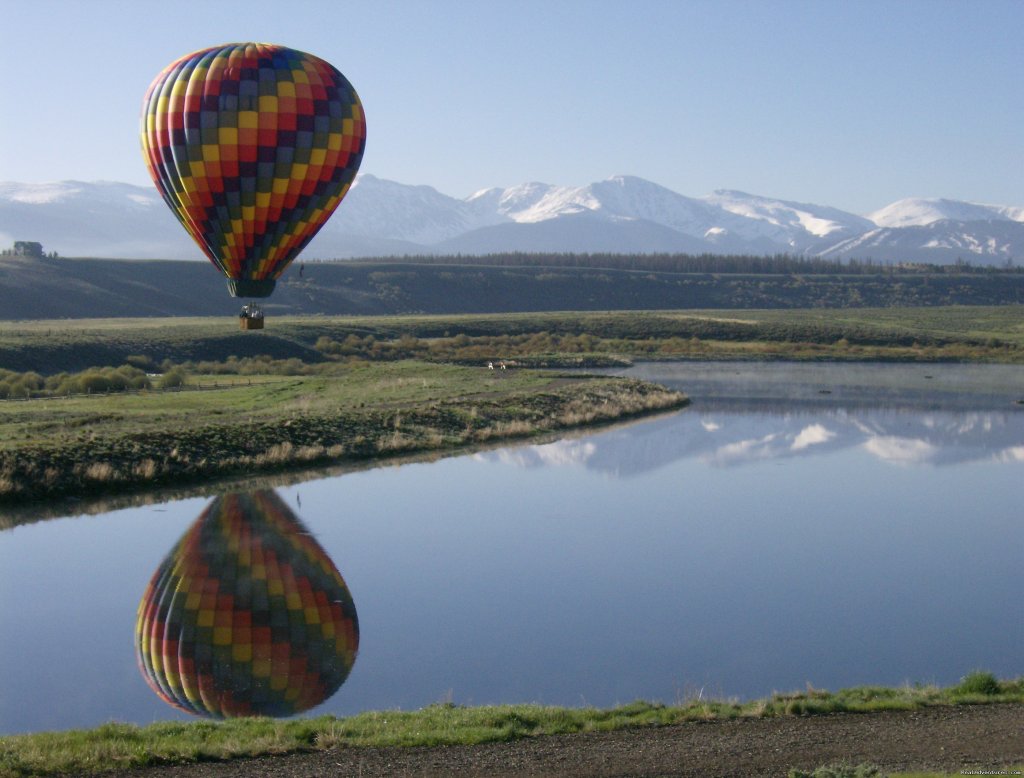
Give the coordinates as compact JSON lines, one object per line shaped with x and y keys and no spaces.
{"x":623,"y":214}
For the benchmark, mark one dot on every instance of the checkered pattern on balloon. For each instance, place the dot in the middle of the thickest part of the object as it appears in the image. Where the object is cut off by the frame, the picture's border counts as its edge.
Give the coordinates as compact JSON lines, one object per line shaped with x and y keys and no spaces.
{"x":247,"y":615}
{"x":252,"y":146}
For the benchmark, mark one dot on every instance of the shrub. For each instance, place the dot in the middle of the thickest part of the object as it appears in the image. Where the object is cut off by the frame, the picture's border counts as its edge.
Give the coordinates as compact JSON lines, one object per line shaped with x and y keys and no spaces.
{"x":258,"y":365}
{"x":97,"y":380}
{"x":19,"y":385}
{"x":978,"y":682}
{"x":174,"y":378}
{"x":140,"y":361}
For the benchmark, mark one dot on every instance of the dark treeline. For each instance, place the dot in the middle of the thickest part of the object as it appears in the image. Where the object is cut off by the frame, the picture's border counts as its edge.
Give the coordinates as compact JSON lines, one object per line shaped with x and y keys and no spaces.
{"x":499,"y":283}
{"x":777,"y":264}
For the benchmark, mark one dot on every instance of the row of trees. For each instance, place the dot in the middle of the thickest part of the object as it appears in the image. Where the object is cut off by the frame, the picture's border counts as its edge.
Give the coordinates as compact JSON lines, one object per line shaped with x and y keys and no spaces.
{"x":700,"y":263}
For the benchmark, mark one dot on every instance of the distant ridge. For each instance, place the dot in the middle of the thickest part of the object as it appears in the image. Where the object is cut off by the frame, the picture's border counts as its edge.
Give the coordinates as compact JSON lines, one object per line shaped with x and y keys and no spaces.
{"x":620,"y":214}
{"x":38,"y":288}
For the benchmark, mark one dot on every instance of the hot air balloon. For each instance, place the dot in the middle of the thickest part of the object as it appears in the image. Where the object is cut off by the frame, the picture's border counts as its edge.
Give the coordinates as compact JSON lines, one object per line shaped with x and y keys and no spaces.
{"x":247,"y":615}
{"x":252,"y":146}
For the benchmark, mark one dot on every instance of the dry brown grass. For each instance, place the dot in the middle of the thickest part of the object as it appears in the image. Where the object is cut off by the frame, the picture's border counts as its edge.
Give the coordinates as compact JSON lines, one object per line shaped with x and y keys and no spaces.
{"x":281,"y":452}
{"x":101,"y":471}
{"x":145,"y":470}
{"x":395,"y":442}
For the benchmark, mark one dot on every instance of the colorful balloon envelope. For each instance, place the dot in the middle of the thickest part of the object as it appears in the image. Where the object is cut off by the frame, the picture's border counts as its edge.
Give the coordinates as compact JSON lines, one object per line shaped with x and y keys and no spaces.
{"x":247,"y":615}
{"x":252,"y":146}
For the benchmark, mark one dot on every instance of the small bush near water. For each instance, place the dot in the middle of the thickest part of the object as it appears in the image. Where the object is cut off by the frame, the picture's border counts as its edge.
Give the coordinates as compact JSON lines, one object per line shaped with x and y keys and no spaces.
{"x":978,"y":682}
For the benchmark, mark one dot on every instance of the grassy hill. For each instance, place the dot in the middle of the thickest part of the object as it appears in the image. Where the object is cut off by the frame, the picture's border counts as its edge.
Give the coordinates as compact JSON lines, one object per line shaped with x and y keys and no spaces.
{"x":32,"y":288}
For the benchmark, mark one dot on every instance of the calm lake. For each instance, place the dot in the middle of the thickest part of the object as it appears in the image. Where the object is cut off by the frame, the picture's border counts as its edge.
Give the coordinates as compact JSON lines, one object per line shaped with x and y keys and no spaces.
{"x":823,"y":524}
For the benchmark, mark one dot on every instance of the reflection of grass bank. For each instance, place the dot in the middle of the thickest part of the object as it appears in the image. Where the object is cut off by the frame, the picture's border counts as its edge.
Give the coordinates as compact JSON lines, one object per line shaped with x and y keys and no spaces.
{"x":106,"y":444}
{"x":123,"y":746}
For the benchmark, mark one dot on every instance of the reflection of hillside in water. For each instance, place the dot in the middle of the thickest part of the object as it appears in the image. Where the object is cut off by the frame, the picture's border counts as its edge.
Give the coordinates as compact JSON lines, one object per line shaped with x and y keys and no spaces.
{"x":722,"y":435}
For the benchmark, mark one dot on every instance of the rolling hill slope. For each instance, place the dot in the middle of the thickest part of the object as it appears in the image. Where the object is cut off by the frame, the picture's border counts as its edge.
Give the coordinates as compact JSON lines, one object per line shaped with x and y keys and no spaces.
{"x":97,"y":288}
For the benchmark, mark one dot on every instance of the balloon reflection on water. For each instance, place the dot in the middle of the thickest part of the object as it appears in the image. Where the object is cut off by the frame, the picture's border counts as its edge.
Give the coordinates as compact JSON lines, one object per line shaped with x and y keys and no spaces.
{"x":247,"y":615}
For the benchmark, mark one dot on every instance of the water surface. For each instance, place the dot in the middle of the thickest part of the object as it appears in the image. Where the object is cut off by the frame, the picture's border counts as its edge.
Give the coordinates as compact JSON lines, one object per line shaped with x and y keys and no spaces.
{"x":797,"y":524}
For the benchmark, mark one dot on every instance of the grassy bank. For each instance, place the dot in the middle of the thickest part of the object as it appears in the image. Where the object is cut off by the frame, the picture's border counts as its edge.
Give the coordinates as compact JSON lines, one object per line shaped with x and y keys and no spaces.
{"x":121,"y":746}
{"x":229,"y":425}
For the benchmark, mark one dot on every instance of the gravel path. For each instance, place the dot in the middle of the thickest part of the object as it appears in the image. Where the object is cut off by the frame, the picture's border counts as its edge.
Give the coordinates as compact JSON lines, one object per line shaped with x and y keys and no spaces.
{"x":944,"y":738}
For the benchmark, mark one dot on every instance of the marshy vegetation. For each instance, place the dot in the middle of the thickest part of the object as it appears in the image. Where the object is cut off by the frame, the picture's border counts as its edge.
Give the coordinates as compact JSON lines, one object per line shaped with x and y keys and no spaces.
{"x":123,"y":746}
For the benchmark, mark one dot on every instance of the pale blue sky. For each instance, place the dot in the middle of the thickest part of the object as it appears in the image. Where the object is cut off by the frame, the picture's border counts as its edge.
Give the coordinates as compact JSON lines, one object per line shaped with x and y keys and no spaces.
{"x":851,"y":104}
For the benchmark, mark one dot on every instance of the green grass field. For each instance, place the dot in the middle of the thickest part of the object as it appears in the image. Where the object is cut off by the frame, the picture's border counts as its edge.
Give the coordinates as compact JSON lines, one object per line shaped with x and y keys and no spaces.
{"x":232,"y":425}
{"x":208,"y":399}
{"x":950,"y":333}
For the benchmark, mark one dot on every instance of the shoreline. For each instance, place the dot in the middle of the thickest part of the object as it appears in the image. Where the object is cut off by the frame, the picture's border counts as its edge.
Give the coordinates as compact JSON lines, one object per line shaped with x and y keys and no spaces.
{"x":424,"y":432}
{"x":234,"y":746}
{"x":42,"y":478}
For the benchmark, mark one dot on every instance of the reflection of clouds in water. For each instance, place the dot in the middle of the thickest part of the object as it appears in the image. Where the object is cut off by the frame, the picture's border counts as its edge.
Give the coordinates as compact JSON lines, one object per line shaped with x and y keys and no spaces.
{"x":974,"y":422}
{"x":768,"y":446}
{"x":810,"y":435}
{"x":945,"y":431}
{"x":943,"y":438}
{"x":969,"y":422}
{"x":743,"y":451}
{"x":902,"y":451}
{"x":557,"y":454}
{"x":722,"y":439}
{"x":1012,"y":454}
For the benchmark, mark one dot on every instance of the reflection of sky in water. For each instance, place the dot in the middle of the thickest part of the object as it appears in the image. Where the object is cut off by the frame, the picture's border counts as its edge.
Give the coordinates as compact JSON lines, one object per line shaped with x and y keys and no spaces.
{"x":729,"y":438}
{"x":737,"y":549}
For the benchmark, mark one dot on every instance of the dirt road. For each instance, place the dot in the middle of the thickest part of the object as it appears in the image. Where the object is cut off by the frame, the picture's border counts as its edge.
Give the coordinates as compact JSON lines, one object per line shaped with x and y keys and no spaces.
{"x":945,"y":738}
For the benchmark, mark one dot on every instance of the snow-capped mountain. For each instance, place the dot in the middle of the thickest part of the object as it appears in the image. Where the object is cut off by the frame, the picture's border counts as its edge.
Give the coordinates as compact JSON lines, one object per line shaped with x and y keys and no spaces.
{"x":619,"y":197}
{"x":98,"y":218}
{"x":376,"y":208}
{"x":620,"y":214}
{"x":919,"y":211}
{"x":995,"y":241}
{"x":801,"y":226}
